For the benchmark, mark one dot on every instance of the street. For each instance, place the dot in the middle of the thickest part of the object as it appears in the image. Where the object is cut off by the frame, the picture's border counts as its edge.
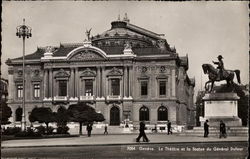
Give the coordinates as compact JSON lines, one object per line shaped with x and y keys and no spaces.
{"x":135,"y":151}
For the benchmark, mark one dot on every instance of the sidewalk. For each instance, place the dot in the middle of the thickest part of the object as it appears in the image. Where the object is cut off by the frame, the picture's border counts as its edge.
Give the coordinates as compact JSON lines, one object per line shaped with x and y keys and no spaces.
{"x":128,"y":139}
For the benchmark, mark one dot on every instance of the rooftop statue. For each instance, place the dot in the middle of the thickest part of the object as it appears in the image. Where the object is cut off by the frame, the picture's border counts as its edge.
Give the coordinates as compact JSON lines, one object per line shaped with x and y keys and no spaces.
{"x":88,"y":33}
{"x":219,"y":74}
{"x":127,"y":45}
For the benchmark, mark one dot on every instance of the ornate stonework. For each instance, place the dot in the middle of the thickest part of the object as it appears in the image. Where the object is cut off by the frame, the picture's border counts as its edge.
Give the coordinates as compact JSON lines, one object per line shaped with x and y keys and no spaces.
{"x":115,"y":72}
{"x":62,"y":73}
{"x":86,"y":55}
{"x":88,"y":73}
{"x":36,"y":73}
{"x":20,"y":73}
{"x":162,"y":76}
{"x":49,"y":49}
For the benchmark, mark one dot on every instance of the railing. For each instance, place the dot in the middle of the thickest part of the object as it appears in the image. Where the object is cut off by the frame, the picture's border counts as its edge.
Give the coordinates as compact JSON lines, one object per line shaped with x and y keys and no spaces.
{"x":60,"y":98}
{"x":112,"y":97}
{"x":86,"y":98}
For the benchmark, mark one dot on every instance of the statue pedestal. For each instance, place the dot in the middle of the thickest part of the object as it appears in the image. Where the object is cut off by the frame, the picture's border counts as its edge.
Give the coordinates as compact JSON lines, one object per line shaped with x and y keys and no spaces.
{"x":221,"y":106}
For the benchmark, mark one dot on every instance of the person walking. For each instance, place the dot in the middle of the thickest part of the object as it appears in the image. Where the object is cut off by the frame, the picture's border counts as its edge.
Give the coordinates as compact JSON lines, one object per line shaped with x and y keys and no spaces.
{"x":105,"y":129}
{"x":206,"y":127}
{"x":169,"y":127}
{"x":223,"y":129}
{"x":142,"y":133}
{"x":89,"y":129}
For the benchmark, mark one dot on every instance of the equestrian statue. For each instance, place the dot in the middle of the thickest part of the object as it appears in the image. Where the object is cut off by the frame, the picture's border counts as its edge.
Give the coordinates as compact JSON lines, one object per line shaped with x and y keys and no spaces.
{"x":219,"y":74}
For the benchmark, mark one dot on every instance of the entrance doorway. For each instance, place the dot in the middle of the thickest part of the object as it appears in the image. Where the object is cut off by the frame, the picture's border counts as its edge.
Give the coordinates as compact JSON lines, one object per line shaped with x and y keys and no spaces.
{"x":114,"y":116}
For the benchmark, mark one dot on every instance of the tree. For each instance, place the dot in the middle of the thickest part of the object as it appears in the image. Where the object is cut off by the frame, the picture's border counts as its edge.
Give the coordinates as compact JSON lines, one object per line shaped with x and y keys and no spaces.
{"x":82,"y":113}
{"x":42,"y":115}
{"x":61,"y":117}
{"x":5,"y":113}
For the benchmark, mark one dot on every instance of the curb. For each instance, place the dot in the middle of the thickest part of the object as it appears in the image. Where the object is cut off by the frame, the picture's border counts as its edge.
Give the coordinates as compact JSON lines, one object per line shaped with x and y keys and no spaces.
{"x":124,"y":144}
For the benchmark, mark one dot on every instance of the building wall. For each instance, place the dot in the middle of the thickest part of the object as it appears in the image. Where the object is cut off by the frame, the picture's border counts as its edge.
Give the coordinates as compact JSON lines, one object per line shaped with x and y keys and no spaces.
{"x":178,"y":99}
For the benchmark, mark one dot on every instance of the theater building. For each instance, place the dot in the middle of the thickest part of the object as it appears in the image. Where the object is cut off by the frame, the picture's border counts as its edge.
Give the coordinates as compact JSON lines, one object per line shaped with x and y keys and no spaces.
{"x":125,"y":73}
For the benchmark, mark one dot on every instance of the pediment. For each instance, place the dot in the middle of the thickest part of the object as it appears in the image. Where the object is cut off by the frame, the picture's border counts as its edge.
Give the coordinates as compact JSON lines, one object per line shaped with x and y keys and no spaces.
{"x":62,"y":74}
{"x":143,"y":76}
{"x":115,"y":72}
{"x":88,"y":73}
{"x":162,"y":76}
{"x":86,"y":55}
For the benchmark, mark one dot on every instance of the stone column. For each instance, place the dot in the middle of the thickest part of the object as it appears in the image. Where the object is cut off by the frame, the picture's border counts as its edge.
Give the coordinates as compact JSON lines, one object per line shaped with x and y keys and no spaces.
{"x":76,"y":82}
{"x":173,"y":83}
{"x":98,"y":82}
{"x":50,"y":83}
{"x":125,"y":82}
{"x":71,"y":83}
{"x":130,"y":81}
{"x":45,"y":83}
{"x":103,"y":82}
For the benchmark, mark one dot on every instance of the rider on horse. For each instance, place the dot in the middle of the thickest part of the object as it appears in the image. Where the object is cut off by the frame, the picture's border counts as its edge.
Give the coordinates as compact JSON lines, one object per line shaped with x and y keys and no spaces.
{"x":220,"y":66}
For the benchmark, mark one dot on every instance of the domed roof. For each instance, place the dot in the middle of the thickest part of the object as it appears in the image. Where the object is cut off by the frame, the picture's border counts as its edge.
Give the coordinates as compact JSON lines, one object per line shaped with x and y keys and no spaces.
{"x":122,"y":32}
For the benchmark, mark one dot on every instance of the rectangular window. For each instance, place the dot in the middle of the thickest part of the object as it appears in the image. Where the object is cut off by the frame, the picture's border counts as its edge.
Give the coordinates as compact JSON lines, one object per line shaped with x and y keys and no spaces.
{"x":19,"y":91}
{"x":115,"y":87}
{"x":162,"y":88}
{"x":62,"y":88}
{"x":144,"y":88}
{"x":89,"y":87}
{"x":36,"y":90}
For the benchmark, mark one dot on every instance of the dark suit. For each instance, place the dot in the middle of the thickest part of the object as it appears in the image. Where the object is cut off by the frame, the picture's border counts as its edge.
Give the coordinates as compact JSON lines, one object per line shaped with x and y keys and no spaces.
{"x":142,"y":133}
{"x":169,"y":128}
{"x":89,"y":129}
{"x":206,"y":132}
{"x":223,"y":130}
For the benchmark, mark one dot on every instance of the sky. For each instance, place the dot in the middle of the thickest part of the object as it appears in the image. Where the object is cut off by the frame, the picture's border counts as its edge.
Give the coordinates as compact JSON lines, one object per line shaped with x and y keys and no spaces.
{"x":201,"y":30}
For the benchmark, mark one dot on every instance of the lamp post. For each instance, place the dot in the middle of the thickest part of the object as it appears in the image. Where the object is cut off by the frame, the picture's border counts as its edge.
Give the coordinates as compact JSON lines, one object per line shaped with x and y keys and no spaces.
{"x":23,"y":31}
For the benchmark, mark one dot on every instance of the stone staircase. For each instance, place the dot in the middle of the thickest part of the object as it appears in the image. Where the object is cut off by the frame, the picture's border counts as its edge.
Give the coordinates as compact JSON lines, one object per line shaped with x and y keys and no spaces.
{"x":215,"y":131}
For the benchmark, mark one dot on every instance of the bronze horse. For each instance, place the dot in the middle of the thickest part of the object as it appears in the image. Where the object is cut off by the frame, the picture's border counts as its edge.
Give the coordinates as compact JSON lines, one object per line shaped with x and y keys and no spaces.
{"x":213,"y":75}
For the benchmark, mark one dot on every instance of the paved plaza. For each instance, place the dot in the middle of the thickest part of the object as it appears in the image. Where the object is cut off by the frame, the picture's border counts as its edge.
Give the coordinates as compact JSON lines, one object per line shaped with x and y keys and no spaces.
{"x":124,"y":139}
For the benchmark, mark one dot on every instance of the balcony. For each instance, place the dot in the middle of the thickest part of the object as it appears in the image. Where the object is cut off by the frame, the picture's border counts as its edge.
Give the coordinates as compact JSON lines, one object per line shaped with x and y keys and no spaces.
{"x":49,"y":99}
{"x":114,"y":98}
{"x":60,"y":98}
{"x":87,"y":98}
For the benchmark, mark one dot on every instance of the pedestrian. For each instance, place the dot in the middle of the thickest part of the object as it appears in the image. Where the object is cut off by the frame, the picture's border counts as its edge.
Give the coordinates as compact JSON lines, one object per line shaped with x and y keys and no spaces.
{"x":105,"y":129}
{"x":142,"y":133}
{"x":169,"y":128}
{"x":223,"y":129}
{"x":89,"y":129}
{"x":206,"y":126}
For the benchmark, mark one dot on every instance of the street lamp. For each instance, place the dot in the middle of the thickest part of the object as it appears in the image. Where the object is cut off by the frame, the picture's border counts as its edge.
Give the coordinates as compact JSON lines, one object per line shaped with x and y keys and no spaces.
{"x":23,"y":31}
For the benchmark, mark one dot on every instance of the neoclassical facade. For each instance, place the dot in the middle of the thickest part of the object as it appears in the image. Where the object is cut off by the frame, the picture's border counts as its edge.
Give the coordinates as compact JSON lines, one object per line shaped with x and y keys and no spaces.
{"x":125,"y":73}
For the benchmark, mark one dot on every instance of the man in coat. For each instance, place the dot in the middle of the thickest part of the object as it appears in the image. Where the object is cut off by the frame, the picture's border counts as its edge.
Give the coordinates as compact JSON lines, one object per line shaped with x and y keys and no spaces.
{"x":206,"y":126}
{"x":142,"y":133}
{"x":89,"y":129}
{"x":223,"y":129}
{"x":169,"y":127}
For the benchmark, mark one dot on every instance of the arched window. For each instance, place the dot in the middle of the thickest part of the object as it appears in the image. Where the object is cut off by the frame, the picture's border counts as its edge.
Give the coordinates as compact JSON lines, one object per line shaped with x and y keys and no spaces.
{"x":162,"y":113}
{"x":144,"y":114}
{"x":19,"y":112}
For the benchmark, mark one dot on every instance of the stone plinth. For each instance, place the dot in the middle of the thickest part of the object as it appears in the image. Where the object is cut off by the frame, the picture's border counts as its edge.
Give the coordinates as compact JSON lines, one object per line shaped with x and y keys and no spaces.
{"x":221,"y":106}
